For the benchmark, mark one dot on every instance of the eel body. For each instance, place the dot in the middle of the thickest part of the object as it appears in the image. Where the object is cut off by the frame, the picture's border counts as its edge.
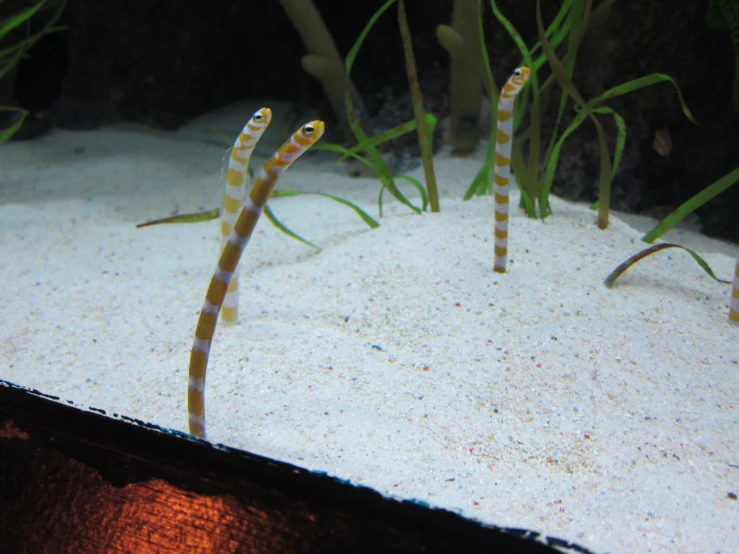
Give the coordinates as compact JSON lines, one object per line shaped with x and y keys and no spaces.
{"x":239,"y":237}
{"x":502,"y":169}
{"x":235,"y":194}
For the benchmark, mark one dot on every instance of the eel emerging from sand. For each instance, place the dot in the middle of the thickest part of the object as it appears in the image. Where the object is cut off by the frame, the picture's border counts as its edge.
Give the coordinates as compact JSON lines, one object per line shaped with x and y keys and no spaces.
{"x":235,"y":193}
{"x":239,"y":237}
{"x":503,"y":162}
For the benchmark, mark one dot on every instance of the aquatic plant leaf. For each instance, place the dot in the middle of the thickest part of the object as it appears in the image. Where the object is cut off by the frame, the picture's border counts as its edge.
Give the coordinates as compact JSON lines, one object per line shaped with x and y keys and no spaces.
{"x":385,"y":136}
{"x":641,"y":82}
{"x":380,"y":168}
{"x":620,"y":143}
{"x":565,"y":82}
{"x":486,"y":74}
{"x":431,"y":122}
{"x":616,"y":273}
{"x":573,"y":25}
{"x":346,"y":152}
{"x":525,"y":53}
{"x":692,"y":204}
{"x":481,"y":183}
{"x":532,"y":175}
{"x":352,"y":55}
{"x":424,"y":136}
{"x":526,"y":186}
{"x":620,"y":136}
{"x":10,"y":23}
{"x":11,"y":55}
{"x":371,"y":223}
{"x":554,"y":156}
{"x":416,"y":183}
{"x":285,"y":229}
{"x":575,"y":35}
{"x":557,"y":30}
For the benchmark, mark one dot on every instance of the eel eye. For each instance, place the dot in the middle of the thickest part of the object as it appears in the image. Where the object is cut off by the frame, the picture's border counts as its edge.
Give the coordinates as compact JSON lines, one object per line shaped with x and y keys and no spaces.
{"x":258,"y":117}
{"x":517,"y":72}
{"x":308,"y":129}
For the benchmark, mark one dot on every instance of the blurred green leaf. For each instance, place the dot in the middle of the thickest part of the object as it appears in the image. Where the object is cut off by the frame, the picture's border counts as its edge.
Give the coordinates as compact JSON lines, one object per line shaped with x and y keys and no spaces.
{"x":285,"y":229}
{"x":371,"y":223}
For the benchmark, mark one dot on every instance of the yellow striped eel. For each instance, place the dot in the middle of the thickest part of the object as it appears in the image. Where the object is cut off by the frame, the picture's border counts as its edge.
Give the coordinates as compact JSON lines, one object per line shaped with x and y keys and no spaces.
{"x":503,"y":162}
{"x":265,"y":181}
{"x":233,"y":199}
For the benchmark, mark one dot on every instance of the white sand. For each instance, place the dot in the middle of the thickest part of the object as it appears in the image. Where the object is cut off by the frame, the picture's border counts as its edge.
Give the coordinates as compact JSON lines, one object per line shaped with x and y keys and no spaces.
{"x":394,"y":358}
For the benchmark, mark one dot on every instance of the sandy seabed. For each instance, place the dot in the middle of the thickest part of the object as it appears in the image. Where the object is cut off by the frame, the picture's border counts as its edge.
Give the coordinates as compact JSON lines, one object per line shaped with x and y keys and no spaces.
{"x":394,"y":358}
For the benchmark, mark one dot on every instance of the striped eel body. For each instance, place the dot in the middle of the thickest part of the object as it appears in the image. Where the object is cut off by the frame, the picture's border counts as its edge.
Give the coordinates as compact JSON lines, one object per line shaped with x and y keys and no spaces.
{"x":503,"y":162}
{"x":734,"y":302}
{"x":233,"y":199}
{"x":265,"y":181}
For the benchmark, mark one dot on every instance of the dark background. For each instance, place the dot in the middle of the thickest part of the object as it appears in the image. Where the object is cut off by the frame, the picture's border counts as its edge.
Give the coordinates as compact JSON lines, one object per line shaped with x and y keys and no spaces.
{"x":162,"y":62}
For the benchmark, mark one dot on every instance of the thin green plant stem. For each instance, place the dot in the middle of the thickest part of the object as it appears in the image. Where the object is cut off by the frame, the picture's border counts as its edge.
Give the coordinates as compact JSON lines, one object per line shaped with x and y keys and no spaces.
{"x":19,"y":49}
{"x":558,"y":24}
{"x":385,"y":136}
{"x":571,"y":26}
{"x":486,"y":74}
{"x":380,"y":167}
{"x":604,"y":195}
{"x":424,"y":139}
{"x":481,"y":183}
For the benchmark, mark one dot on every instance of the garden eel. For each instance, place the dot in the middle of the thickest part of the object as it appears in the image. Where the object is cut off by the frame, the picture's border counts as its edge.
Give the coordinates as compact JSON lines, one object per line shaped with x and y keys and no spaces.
{"x":265,"y":181}
{"x":233,"y":199}
{"x":503,"y":162}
